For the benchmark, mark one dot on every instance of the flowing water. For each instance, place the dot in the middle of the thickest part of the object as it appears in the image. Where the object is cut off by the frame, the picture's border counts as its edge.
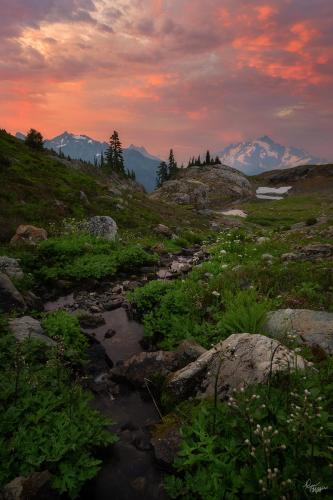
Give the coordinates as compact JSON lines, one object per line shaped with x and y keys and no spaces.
{"x":129,"y":470}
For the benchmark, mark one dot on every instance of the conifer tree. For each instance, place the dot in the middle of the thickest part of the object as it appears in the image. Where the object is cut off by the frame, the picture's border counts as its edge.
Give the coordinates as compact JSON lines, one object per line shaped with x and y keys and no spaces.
{"x":34,"y":139}
{"x":114,"y":155}
{"x":162,"y":174}
{"x":208,"y":159}
{"x":217,"y":161}
{"x":172,"y":165}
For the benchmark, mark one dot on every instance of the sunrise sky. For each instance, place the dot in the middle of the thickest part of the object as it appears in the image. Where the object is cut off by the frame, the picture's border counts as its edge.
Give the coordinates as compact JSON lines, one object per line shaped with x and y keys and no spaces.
{"x":187,"y":74}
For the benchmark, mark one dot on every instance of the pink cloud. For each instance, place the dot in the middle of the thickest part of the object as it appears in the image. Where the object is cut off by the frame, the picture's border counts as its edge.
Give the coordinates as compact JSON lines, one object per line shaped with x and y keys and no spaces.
{"x":168,"y":72}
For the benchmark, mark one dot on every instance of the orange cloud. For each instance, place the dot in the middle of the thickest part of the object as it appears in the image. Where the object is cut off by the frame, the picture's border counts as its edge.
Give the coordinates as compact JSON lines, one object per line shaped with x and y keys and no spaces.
{"x":265,"y":12}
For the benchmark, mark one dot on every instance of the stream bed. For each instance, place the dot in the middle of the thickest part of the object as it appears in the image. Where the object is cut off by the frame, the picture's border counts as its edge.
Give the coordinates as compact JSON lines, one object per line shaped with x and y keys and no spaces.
{"x":129,"y":470}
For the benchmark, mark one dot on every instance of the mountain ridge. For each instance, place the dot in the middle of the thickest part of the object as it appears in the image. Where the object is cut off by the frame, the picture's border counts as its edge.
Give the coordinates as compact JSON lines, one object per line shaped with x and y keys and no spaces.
{"x":264,"y":154}
{"x":83,"y":147}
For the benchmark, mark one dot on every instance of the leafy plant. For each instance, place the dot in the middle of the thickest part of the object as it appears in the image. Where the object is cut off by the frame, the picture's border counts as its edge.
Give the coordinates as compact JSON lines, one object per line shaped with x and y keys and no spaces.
{"x":261,"y":437}
{"x":243,"y":313}
{"x":47,"y":421}
{"x":65,"y":328}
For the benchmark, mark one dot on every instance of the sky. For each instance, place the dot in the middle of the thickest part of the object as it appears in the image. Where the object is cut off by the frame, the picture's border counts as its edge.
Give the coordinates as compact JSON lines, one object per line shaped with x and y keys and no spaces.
{"x":187,"y":74}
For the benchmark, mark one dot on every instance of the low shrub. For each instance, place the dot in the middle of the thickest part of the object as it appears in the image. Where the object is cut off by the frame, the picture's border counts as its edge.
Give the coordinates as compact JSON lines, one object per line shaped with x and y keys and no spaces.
{"x":47,"y":421}
{"x":65,"y":329}
{"x":267,"y":442}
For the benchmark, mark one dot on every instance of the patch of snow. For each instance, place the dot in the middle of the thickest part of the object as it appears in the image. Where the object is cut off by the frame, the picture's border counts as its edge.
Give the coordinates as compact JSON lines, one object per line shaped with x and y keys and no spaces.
{"x":79,"y":137}
{"x":269,"y":190}
{"x":235,"y":213}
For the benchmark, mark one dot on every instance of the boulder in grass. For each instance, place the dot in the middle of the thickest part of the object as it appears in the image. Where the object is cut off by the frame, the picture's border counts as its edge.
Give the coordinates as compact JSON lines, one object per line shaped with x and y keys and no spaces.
{"x":10,"y":297}
{"x":242,"y":359}
{"x":11,"y":267}
{"x":28,"y":235}
{"x":29,"y":328}
{"x":163,"y":230}
{"x":310,"y":328}
{"x":101,"y":226}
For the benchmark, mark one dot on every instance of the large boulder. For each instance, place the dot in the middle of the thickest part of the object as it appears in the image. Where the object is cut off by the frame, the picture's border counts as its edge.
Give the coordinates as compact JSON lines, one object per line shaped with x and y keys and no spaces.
{"x":102,"y":226}
{"x":185,"y":191}
{"x":28,"y":235}
{"x":312,"y":328}
{"x":158,"y":364}
{"x":242,"y":359}
{"x":206,"y":186}
{"x":10,"y":297}
{"x":11,"y":267}
{"x":29,"y":328}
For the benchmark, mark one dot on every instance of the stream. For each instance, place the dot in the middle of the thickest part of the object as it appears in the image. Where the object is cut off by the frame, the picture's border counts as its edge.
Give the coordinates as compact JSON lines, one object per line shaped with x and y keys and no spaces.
{"x":129,"y":470}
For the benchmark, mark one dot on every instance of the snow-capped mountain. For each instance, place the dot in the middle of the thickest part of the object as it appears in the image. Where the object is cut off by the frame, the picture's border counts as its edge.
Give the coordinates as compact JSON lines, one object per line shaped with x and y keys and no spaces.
{"x":263,"y":154}
{"x":143,"y":151}
{"x":83,"y":147}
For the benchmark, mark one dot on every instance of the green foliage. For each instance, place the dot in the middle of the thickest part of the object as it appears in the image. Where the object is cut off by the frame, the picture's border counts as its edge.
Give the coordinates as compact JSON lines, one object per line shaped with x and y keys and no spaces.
{"x":266,"y":442}
{"x":65,"y":329}
{"x":243,"y":313}
{"x":80,"y":256}
{"x":47,"y":421}
{"x":149,"y":296}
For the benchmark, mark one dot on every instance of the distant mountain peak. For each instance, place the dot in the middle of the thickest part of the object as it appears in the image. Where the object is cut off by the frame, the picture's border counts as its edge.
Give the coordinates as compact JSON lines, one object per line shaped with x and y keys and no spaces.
{"x":264,"y":154}
{"x":80,"y":146}
{"x":143,"y":151}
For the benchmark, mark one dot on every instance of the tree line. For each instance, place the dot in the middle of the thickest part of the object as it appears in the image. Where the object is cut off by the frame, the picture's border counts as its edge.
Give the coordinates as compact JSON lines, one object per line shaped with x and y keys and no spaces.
{"x":111,"y":161}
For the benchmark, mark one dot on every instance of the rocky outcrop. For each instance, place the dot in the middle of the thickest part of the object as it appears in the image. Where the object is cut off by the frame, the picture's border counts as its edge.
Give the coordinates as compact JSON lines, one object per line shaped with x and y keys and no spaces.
{"x":242,"y":359}
{"x":102,"y":226}
{"x":10,"y":297}
{"x":147,"y":366}
{"x":206,"y":186}
{"x":11,"y":267}
{"x":166,"y":445}
{"x":28,"y":235}
{"x":312,"y":328}
{"x":310,"y":252}
{"x":29,"y":328}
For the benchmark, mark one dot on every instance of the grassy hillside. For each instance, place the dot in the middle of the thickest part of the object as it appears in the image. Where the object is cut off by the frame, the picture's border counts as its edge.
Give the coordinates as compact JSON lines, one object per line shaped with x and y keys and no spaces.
{"x":39,"y":188}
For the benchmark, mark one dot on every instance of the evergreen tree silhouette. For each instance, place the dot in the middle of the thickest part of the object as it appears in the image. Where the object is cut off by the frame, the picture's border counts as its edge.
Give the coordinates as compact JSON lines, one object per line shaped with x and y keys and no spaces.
{"x":162,"y":174}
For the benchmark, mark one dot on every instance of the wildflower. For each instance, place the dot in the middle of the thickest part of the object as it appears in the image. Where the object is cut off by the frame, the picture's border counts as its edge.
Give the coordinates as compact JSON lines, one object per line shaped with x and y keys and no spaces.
{"x":216,"y":293}
{"x":247,"y":441}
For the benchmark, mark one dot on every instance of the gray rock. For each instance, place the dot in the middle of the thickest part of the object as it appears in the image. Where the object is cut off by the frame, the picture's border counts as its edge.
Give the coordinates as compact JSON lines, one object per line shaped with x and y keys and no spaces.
{"x":310,"y":252}
{"x":180,"y":267}
{"x":10,"y":297}
{"x":22,"y":488}
{"x":200,"y":186}
{"x":147,"y":365}
{"x":312,"y":328}
{"x":162,"y":229}
{"x":166,"y":445}
{"x":26,"y":327}
{"x":11,"y":267}
{"x":190,"y":350}
{"x":102,"y":226}
{"x":262,"y":239}
{"x":240,"y":360}
{"x":163,"y":274}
